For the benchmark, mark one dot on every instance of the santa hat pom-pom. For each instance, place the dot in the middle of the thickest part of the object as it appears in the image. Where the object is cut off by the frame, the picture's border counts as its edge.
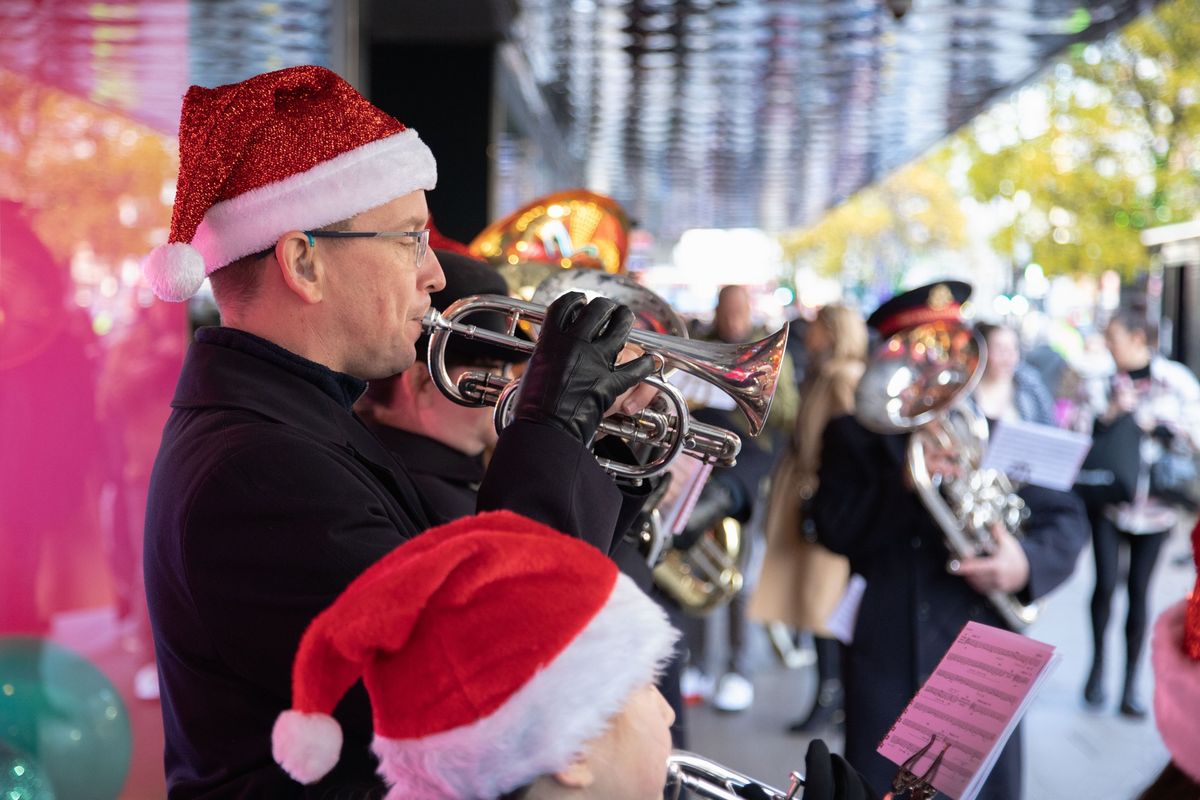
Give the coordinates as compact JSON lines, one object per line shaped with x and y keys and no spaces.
{"x":306,"y":745}
{"x":175,"y":271}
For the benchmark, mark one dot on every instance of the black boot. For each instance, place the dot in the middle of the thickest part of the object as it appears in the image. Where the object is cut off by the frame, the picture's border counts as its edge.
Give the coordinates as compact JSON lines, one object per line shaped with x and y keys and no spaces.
{"x":1093,"y":690}
{"x":826,"y":709}
{"x":1131,"y":705}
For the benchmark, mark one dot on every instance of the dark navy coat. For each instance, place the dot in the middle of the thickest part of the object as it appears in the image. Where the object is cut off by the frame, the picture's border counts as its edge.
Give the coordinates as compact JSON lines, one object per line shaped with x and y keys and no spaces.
{"x":268,"y":498}
{"x":913,"y":608}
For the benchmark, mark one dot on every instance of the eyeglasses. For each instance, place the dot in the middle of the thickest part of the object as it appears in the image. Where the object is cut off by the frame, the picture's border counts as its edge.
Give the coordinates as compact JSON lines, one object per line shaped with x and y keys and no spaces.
{"x":422,"y":238}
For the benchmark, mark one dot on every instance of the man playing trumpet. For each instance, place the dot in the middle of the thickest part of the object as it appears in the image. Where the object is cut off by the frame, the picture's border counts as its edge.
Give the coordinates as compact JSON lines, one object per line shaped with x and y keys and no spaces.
{"x":306,"y":206}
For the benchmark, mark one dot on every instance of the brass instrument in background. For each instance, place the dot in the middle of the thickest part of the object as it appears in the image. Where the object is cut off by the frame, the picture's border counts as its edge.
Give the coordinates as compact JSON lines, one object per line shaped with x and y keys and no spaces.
{"x":917,"y":382}
{"x":747,"y":373}
{"x":708,"y":574}
{"x":577,"y":229}
{"x":706,"y":778}
{"x":650,"y":312}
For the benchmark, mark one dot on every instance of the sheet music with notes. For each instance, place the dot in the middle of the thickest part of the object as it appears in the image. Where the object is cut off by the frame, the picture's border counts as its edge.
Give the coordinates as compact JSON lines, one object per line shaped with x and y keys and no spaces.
{"x":1039,"y":454}
{"x":972,"y":703}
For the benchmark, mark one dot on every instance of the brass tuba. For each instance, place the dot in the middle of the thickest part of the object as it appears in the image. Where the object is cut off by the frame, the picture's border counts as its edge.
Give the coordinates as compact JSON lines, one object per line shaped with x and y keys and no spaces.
{"x":576,"y":229}
{"x":917,"y":381}
{"x":708,"y":574}
{"x":708,"y":779}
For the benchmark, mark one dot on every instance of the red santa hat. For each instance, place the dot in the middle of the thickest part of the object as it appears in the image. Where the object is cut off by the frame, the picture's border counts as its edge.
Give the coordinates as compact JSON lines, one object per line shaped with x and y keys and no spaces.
{"x":294,"y":149}
{"x":492,"y":648}
{"x":1175,"y":653}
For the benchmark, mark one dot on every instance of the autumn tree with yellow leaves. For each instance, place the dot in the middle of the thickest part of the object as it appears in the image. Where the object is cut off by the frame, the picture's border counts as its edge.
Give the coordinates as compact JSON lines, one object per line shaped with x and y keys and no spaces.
{"x":1104,"y":146}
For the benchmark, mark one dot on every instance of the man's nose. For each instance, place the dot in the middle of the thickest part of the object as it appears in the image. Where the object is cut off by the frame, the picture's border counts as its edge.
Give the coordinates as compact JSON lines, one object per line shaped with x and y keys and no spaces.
{"x":435,"y":279}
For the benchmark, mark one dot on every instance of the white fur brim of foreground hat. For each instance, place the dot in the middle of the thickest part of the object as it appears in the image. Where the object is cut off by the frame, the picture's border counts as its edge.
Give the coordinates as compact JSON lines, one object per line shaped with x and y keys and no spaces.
{"x":493,"y":649}
{"x":294,"y":149}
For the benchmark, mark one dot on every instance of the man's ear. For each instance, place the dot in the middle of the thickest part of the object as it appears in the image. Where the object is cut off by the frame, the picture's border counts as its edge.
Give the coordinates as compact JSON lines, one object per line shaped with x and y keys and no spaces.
{"x":302,"y":271}
{"x":579,"y":774}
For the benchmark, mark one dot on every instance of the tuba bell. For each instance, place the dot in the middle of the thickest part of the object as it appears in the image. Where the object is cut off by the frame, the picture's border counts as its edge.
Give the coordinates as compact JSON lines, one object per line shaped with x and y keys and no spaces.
{"x":917,"y":381}
{"x":576,"y":229}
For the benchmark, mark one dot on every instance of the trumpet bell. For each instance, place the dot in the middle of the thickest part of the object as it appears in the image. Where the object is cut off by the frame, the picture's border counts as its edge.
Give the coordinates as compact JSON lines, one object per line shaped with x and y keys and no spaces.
{"x":747,"y":373}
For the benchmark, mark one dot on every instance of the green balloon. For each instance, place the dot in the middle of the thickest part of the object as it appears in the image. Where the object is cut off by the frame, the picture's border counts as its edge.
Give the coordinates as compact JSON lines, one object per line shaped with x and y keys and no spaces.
{"x":21,"y":778}
{"x":59,"y":709}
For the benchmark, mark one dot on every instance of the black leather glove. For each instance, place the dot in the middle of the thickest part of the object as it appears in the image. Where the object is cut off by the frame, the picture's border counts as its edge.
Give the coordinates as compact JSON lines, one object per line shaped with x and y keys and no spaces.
{"x":717,"y":500}
{"x":571,"y":379}
{"x":830,"y":777}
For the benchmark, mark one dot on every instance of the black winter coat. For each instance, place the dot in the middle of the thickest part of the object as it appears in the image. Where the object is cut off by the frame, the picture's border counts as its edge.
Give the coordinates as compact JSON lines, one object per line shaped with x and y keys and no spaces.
{"x":913,"y":608}
{"x":268,"y":497}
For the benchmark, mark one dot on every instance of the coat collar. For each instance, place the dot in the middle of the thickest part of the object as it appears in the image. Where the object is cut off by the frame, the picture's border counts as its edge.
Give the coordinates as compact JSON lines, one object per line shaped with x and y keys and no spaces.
{"x":227,"y":368}
{"x":342,"y":388}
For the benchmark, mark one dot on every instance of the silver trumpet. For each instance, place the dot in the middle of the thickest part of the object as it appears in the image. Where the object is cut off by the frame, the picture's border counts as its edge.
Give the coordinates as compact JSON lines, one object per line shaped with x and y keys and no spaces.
{"x":709,"y":779}
{"x":746,"y":372}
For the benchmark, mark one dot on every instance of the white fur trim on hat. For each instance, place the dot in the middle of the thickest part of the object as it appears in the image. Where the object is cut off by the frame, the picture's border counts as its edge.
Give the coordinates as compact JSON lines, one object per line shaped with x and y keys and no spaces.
{"x":355,"y":181}
{"x":307,"y":746}
{"x":545,"y":724}
{"x":1176,"y":691}
{"x":175,"y":271}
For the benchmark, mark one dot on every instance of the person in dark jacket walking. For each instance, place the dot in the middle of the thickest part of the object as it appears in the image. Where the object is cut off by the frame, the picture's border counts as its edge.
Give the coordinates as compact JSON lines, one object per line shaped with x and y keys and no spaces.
{"x":306,"y":206}
{"x":912,"y":608}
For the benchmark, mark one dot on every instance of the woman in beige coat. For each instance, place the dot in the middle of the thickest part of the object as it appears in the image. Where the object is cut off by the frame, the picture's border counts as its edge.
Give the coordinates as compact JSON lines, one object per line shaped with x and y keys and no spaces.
{"x":801,"y":581}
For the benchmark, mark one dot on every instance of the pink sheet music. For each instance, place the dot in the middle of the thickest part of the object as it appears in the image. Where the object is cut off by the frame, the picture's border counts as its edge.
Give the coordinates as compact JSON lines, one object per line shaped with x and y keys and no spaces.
{"x":972,"y":701}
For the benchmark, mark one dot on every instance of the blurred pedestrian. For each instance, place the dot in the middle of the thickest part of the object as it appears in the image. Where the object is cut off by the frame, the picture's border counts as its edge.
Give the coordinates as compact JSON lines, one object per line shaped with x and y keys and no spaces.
{"x":801,"y":580}
{"x":1149,"y":426}
{"x":1010,"y":389}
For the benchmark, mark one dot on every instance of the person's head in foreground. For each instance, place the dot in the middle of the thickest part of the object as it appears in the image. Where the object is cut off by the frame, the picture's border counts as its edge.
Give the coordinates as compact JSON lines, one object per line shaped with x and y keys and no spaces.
{"x":503,"y":660}
{"x":305,"y":204}
{"x":1175,"y":653}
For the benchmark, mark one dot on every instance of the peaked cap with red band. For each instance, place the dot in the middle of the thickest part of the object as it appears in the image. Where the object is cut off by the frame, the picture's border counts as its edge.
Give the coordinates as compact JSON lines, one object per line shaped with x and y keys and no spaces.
{"x":1175,"y":653}
{"x":294,"y":149}
{"x":492,"y":648}
{"x":934,"y":302}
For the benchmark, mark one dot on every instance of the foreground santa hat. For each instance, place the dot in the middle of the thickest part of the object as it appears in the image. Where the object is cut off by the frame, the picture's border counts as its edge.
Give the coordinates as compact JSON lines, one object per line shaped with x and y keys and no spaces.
{"x":1175,"y":653}
{"x":295,"y":149}
{"x":492,"y":648}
